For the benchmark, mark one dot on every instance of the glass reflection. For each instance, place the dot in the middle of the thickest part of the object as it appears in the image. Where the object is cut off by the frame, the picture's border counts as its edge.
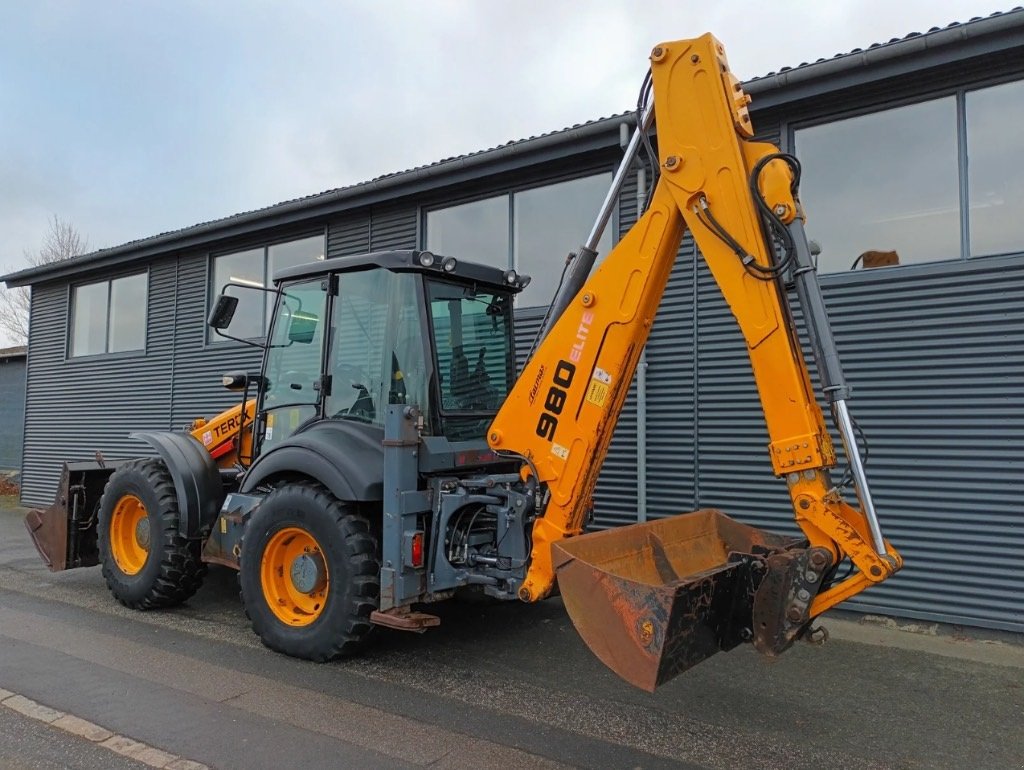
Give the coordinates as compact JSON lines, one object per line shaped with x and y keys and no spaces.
{"x":884,"y":182}
{"x":996,"y":157}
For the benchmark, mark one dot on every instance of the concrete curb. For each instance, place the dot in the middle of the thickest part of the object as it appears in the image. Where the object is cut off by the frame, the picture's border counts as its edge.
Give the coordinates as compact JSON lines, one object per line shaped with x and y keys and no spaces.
{"x":81,"y":728}
{"x":922,"y":637}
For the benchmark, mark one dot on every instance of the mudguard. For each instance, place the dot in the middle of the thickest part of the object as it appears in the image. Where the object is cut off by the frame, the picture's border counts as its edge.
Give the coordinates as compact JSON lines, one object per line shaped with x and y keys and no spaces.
{"x":196,"y":479}
{"x":346,"y":457}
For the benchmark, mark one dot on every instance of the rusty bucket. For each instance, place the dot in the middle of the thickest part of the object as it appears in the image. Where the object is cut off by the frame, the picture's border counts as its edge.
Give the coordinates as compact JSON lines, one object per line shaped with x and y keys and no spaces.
{"x":653,"y":599}
{"x":65,"y":533}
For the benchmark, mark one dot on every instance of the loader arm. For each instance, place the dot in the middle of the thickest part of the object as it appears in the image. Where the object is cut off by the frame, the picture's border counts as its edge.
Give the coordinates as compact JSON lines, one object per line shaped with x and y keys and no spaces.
{"x":562,"y":411}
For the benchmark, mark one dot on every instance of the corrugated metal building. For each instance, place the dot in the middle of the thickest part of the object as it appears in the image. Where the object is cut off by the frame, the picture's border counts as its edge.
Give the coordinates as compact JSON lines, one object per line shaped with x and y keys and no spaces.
{"x":912,"y":151}
{"x":12,"y":406}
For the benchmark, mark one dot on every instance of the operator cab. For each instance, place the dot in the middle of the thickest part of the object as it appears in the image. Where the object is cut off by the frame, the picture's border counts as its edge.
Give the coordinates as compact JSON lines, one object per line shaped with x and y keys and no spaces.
{"x":351,"y":335}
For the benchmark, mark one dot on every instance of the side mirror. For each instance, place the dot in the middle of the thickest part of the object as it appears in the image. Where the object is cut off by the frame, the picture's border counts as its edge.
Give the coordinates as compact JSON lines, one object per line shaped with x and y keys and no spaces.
{"x":241,"y":380}
{"x":223,"y":311}
{"x":302,"y":327}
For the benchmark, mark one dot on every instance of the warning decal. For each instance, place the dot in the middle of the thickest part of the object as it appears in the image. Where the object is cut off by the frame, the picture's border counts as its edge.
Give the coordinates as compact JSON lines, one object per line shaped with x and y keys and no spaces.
{"x":597,"y":392}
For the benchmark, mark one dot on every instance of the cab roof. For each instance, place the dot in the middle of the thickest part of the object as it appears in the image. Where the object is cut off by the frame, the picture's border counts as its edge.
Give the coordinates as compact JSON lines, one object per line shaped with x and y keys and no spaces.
{"x":403,"y":261}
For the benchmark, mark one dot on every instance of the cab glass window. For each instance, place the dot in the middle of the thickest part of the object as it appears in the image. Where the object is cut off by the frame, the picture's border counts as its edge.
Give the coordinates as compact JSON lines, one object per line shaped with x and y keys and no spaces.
{"x":376,"y":356}
{"x":294,"y":361}
{"x":471,"y":335}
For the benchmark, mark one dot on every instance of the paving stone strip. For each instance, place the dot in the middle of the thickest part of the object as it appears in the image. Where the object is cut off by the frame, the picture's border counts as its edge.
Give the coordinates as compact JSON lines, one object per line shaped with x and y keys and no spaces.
{"x":120,"y":744}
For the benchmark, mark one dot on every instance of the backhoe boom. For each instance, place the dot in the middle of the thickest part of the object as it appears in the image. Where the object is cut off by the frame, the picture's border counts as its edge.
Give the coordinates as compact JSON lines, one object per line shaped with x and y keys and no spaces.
{"x":561,"y":414}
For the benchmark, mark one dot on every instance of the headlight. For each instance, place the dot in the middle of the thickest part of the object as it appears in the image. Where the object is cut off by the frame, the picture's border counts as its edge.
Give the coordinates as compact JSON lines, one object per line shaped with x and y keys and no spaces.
{"x":426,"y":259}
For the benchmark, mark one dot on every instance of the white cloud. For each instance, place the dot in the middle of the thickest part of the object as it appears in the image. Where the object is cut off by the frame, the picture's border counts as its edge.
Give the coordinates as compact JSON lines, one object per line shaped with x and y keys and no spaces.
{"x":141,"y":118}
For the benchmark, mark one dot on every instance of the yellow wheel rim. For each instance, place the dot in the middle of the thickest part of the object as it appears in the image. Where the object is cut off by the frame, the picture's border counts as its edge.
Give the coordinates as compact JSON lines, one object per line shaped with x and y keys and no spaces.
{"x":130,"y":535}
{"x":293,"y":575}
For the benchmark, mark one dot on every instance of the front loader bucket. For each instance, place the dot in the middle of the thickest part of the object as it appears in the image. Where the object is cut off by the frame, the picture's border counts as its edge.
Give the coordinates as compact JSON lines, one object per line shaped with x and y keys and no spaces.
{"x":65,"y":533}
{"x":653,"y":599}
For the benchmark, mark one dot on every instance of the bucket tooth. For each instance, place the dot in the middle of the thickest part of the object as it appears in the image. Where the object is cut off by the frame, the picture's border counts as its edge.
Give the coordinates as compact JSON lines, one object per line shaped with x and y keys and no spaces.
{"x":654,"y":599}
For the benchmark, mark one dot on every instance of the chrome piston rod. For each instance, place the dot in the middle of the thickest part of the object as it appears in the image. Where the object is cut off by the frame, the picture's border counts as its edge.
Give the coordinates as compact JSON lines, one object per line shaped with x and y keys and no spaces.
{"x":843,"y":421}
{"x":578,"y":271}
{"x":630,"y":153}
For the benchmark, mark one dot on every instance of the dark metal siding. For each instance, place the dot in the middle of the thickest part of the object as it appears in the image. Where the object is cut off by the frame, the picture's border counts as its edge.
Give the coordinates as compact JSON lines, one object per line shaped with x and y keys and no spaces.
{"x":12,"y":411}
{"x":393,"y":227}
{"x":350,"y":235}
{"x":936,"y":355}
{"x":77,"y":406}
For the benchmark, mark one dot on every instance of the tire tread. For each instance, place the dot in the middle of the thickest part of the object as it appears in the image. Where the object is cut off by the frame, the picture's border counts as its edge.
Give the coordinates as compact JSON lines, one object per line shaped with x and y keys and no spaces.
{"x":361,"y":591}
{"x":181,"y":569}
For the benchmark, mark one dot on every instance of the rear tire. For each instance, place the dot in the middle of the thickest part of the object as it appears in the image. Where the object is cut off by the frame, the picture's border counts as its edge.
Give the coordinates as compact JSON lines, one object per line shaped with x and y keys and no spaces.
{"x":146,"y":562}
{"x":310,"y":574}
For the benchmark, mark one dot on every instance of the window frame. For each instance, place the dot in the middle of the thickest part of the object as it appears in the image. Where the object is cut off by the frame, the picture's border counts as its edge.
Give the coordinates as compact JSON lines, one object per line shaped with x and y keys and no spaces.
{"x":106,"y":354}
{"x":788,"y":130}
{"x":509,"y":192}
{"x":215,"y":341}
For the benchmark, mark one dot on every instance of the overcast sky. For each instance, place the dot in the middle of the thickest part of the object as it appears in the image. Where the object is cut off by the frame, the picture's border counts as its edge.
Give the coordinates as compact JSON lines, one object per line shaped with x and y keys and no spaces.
{"x":132,"y":118}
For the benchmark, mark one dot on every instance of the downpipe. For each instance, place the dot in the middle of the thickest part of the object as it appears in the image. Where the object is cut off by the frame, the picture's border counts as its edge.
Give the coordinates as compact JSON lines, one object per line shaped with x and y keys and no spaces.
{"x":641,"y":385}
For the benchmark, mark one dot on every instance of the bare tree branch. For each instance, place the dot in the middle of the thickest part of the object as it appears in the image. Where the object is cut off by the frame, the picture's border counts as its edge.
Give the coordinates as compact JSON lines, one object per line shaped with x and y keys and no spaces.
{"x":61,"y":242}
{"x":14,"y":305}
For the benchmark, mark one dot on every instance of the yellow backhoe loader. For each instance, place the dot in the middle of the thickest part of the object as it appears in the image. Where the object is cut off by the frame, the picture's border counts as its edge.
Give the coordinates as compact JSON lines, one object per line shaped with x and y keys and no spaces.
{"x":387,"y":454}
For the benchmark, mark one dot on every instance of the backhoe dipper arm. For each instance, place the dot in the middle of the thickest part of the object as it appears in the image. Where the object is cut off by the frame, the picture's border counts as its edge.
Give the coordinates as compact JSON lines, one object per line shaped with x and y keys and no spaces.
{"x":562,"y":411}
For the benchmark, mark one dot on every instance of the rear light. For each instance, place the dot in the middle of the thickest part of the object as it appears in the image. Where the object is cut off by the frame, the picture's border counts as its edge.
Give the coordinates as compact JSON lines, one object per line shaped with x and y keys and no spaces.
{"x":416,"y":550}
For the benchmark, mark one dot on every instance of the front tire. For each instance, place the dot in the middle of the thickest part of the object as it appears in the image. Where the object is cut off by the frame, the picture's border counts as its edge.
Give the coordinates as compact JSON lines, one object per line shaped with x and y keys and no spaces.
{"x":309,"y":573}
{"x":146,"y":562}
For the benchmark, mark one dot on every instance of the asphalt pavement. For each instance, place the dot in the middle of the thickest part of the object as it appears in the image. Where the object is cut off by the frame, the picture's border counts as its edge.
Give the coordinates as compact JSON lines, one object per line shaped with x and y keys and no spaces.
{"x":28,"y":744}
{"x":502,"y":685}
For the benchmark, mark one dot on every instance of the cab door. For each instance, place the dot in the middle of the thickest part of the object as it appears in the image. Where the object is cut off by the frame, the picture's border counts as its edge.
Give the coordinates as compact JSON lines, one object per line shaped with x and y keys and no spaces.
{"x":294,"y":366}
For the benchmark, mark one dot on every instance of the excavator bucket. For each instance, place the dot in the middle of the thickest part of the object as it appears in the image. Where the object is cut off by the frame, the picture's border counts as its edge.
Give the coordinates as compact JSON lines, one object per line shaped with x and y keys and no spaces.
{"x":65,"y":533}
{"x":653,"y":599}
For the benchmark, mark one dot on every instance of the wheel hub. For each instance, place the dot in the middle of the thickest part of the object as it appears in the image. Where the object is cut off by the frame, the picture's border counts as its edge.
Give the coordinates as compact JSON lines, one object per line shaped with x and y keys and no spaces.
{"x":294,"y":576}
{"x":129,"y":534}
{"x":308,"y":572}
{"x":142,"y":534}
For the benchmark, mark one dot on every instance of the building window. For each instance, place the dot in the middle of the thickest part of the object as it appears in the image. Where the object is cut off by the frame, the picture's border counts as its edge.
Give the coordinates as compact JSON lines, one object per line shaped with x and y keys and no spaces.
{"x":884,"y":182}
{"x":995,"y":178}
{"x":530,"y":230}
{"x":109,"y":316}
{"x":256,"y":267}
{"x":478,"y":231}
{"x":930,"y":181}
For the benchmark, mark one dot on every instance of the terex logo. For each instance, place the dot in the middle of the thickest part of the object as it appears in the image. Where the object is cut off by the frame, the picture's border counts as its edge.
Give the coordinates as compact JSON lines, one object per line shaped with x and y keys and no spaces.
{"x":554,"y":401}
{"x":231,"y":424}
